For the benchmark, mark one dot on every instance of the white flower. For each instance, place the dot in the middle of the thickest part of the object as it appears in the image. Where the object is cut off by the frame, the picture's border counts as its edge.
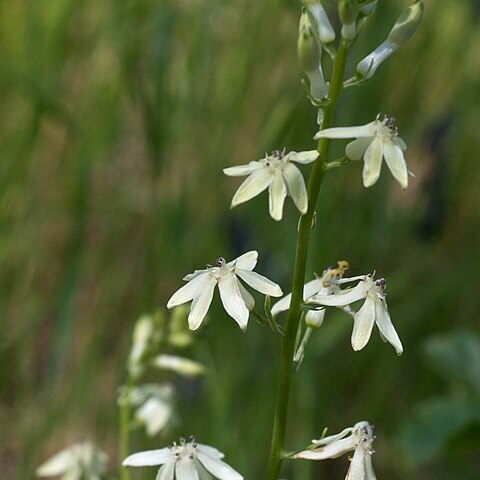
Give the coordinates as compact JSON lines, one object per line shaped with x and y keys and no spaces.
{"x":374,"y":310}
{"x":279,"y":174}
{"x":235,"y":298}
{"x":143,"y":334}
{"x":180,"y":365}
{"x":154,"y":406}
{"x":360,"y":440}
{"x":185,"y":461}
{"x":374,"y":141}
{"x":80,"y":461}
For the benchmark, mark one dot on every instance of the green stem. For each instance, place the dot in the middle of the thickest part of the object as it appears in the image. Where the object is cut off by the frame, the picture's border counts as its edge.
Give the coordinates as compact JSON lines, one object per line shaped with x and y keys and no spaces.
{"x":291,"y":326}
{"x":124,"y":430}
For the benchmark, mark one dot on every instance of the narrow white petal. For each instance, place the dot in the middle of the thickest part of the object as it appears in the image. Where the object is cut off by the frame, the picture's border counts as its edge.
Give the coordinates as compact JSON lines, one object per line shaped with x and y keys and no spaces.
{"x":260,"y":283}
{"x":332,"y":450}
{"x":210,"y":451}
{"x":385,"y":325}
{"x":303,"y":157}
{"x":217,"y":468}
{"x":396,"y":162}
{"x":256,"y":183}
{"x":233,"y":301}
{"x":58,"y":464}
{"x":185,"y":470}
{"x":357,"y":465}
{"x":181,"y":365}
{"x":148,"y":458}
{"x":166,"y":472}
{"x":363,"y":324}
{"x":154,"y":414}
{"x":196,"y":273}
{"x":247,"y":297}
{"x":333,"y":438}
{"x":296,"y":186}
{"x":247,"y":261}
{"x":189,"y":291}
{"x":400,"y":142}
{"x":201,"y":304}
{"x":369,"y":473}
{"x":356,"y":150}
{"x":373,"y":162}
{"x":309,"y":289}
{"x":346,"y":297}
{"x":367,"y":130}
{"x":277,"y":192}
{"x":241,"y":170}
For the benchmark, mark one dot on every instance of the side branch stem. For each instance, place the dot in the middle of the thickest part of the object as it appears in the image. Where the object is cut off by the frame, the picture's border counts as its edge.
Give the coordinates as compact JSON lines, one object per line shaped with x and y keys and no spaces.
{"x":291,"y":326}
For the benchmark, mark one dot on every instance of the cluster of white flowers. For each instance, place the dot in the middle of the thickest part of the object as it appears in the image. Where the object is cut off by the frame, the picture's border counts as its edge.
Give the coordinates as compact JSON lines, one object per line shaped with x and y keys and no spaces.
{"x":185,"y":461}
{"x":82,"y":460}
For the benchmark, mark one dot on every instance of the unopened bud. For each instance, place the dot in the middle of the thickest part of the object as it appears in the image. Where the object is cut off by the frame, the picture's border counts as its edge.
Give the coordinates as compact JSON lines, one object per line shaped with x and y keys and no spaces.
{"x":404,"y":28}
{"x":367,"y":9}
{"x":310,"y":56}
{"x":319,"y":19}
{"x":348,"y":13}
{"x":314,"y":318}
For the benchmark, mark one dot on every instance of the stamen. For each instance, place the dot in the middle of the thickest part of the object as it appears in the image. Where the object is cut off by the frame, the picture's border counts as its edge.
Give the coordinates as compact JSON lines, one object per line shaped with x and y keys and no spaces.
{"x":381,"y":282}
{"x":220,"y":262}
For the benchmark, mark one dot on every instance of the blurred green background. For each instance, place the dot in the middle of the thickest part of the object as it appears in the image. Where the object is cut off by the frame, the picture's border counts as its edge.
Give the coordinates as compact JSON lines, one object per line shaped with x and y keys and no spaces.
{"x":117,"y":119}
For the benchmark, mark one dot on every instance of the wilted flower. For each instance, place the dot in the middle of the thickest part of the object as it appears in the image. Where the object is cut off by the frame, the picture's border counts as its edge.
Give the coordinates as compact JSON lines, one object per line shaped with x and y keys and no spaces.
{"x":82,"y":460}
{"x":184,"y":461}
{"x":375,"y":140}
{"x":180,"y":365}
{"x":360,"y":441}
{"x":236,"y":300}
{"x":277,"y":173}
{"x":374,"y":310}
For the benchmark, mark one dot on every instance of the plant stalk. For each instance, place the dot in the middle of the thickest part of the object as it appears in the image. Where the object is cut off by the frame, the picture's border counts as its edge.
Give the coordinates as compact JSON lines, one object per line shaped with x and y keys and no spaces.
{"x":293,"y":318}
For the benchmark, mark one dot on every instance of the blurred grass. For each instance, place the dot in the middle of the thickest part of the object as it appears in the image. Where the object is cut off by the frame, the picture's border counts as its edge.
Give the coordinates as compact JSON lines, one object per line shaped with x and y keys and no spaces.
{"x":117,"y":120}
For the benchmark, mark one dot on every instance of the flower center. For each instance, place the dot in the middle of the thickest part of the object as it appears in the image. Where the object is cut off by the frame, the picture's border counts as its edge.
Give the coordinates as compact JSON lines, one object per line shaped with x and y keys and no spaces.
{"x":366,"y":438}
{"x":387,"y":127}
{"x":184,"y":450}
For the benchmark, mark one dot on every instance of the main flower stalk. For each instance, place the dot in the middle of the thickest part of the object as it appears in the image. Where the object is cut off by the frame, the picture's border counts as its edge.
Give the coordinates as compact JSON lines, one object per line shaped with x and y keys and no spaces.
{"x":293,"y":318}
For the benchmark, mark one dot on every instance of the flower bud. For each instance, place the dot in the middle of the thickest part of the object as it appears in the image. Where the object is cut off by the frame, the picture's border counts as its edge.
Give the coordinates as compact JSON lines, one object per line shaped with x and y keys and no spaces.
{"x":404,"y":28}
{"x":310,"y":56}
{"x":348,"y":13}
{"x":319,"y":19}
{"x":367,"y":9}
{"x":314,"y":318}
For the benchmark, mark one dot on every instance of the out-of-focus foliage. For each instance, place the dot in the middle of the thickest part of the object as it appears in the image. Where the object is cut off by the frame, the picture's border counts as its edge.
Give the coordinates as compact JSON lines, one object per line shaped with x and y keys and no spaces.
{"x":117,"y":119}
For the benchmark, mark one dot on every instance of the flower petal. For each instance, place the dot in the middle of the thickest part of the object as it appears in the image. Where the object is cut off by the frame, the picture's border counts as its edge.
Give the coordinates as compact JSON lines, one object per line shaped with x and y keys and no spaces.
{"x":356,"y":150}
{"x":303,"y":157}
{"x":189,"y":291}
{"x":363,"y":324}
{"x":309,"y":289}
{"x":372,"y":162}
{"x":217,"y":468}
{"x":233,"y":301}
{"x":256,"y":183}
{"x":148,"y":458}
{"x":201,"y":303}
{"x":181,"y":365}
{"x":260,"y":283}
{"x":333,"y":438}
{"x":166,"y":472}
{"x":58,"y":464}
{"x":400,"y":142}
{"x":210,"y":451}
{"x":196,"y":273}
{"x":396,"y":162}
{"x":277,"y":193}
{"x":296,"y":186}
{"x":357,"y":465}
{"x":247,"y":297}
{"x":332,"y":450}
{"x":154,"y":414}
{"x":385,"y":325}
{"x":247,"y":261}
{"x":185,"y":470}
{"x":367,"y":130}
{"x":241,"y":170}
{"x":346,"y":297}
{"x":369,"y":473}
